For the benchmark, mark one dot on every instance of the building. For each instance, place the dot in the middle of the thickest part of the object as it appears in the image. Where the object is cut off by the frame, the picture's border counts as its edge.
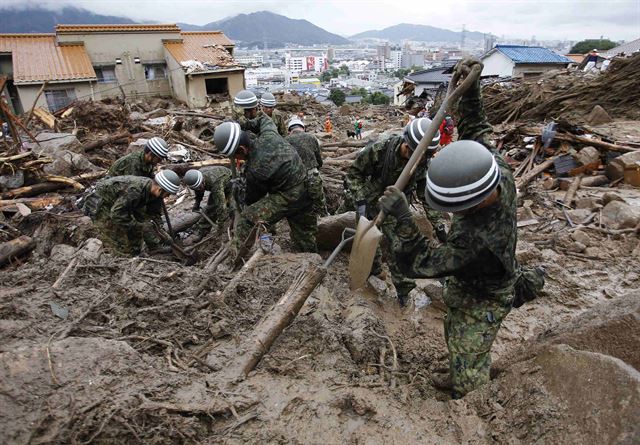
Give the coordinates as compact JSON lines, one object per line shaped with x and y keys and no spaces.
{"x":421,"y":84}
{"x":315,"y":64}
{"x":521,"y":61}
{"x":250,"y":60}
{"x":98,"y":61}
{"x":396,"y":59}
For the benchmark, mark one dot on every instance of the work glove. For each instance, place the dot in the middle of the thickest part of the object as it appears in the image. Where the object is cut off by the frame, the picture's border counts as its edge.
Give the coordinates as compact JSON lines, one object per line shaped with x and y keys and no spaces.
{"x":464,"y":67}
{"x":394,"y":202}
{"x":441,"y":233}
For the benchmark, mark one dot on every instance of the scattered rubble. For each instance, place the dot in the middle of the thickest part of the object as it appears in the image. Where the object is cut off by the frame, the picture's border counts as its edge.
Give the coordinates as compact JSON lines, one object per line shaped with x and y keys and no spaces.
{"x":100,"y":348}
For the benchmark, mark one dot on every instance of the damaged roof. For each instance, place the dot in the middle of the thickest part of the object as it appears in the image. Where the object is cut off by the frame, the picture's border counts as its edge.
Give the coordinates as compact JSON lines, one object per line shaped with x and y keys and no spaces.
{"x":529,"y":54}
{"x":136,"y":27}
{"x":431,"y":75}
{"x":38,"y":57}
{"x":207,"y":49}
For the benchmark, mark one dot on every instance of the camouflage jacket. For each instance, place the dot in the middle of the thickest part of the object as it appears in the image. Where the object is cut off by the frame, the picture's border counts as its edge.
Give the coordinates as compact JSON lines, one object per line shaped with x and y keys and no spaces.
{"x":212,"y":176}
{"x":308,"y":148}
{"x":377,"y":167}
{"x":127,"y":200}
{"x":132,"y":164}
{"x":280,"y":119}
{"x":480,"y":249}
{"x":273,"y":165}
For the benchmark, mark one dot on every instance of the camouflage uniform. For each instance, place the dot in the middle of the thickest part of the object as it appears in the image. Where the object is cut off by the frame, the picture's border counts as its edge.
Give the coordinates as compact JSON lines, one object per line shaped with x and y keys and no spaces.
{"x":276,"y":187}
{"x":478,"y":260}
{"x":132,"y":164}
{"x":280,"y":119}
{"x":121,"y":208}
{"x":308,"y":149}
{"x":217,"y":181}
{"x":376,"y":167}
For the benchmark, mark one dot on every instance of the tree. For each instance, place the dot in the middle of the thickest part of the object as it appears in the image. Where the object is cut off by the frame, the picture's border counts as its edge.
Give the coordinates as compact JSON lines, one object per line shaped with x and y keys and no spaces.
{"x":585,"y":46}
{"x":325,"y":76}
{"x":378,"y":98}
{"x":344,"y":69}
{"x":337,"y":97}
{"x":359,"y":92}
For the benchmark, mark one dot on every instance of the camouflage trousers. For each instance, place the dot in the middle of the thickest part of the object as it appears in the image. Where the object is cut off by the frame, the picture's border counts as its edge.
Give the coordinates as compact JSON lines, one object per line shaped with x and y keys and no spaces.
{"x":127,"y":239}
{"x":470,"y":328}
{"x":316,"y":192}
{"x":402,"y":284}
{"x":272,"y":208}
{"x":216,"y":208}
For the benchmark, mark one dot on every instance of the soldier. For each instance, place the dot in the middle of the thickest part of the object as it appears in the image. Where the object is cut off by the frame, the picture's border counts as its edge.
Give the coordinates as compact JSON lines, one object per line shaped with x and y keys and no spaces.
{"x":122,"y":208}
{"x":268,"y":104}
{"x":470,"y":179}
{"x":276,"y":183}
{"x":245,"y":108}
{"x":378,"y":166}
{"x":308,"y":149}
{"x":217,"y":181}
{"x":141,"y":163}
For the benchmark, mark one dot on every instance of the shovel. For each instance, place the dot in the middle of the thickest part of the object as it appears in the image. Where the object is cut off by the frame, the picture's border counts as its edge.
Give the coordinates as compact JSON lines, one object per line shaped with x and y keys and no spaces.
{"x":367,"y":237}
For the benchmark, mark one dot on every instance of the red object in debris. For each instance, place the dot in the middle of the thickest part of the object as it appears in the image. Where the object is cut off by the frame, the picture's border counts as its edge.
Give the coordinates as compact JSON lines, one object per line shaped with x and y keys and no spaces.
{"x":446,"y":133}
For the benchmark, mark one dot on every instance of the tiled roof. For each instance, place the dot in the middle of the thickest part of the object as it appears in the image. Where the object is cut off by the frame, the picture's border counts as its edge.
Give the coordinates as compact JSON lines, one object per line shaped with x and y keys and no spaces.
{"x":37,"y":57}
{"x":136,"y":27}
{"x":626,"y":48}
{"x":531,"y":54}
{"x":208,"y":48}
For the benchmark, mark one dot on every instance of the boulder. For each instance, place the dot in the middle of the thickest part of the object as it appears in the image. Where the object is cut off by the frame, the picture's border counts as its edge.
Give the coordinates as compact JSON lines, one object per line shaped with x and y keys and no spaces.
{"x":68,"y":163}
{"x":581,"y":237}
{"x":598,"y":116}
{"x":330,"y":229}
{"x":52,"y":142}
{"x":610,"y":196}
{"x":620,"y":215}
{"x":615,"y":168}
{"x":588,"y":155}
{"x":12,"y":180}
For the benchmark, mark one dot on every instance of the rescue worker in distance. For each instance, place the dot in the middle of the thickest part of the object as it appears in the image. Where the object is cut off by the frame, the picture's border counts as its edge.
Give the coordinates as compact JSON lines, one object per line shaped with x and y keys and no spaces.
{"x":141,"y":163}
{"x":268,"y":104}
{"x":122,"y":208}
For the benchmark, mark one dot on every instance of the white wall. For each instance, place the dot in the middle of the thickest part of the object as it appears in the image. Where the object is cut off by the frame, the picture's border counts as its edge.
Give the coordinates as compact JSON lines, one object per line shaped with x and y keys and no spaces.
{"x":497,"y":64}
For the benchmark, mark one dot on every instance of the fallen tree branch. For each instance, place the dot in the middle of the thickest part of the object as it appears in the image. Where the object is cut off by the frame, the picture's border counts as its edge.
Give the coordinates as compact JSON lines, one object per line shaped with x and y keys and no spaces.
{"x":16,"y":247}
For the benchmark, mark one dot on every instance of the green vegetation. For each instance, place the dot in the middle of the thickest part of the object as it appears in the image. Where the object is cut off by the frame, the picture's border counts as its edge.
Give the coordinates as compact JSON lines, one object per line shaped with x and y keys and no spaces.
{"x":585,"y":46}
{"x":376,"y":98}
{"x":337,"y":97}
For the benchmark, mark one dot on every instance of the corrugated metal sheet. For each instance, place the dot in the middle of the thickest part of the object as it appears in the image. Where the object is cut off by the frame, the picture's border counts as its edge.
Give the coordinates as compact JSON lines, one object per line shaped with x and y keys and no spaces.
{"x":205,"y":47}
{"x":37,"y":57}
{"x":76,"y":29}
{"x":531,"y":54}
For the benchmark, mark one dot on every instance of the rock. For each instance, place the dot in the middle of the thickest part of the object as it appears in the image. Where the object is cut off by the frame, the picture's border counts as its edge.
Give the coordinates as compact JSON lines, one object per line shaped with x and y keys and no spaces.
{"x":62,"y":252}
{"x":52,"y":142}
{"x":610,"y":196}
{"x":68,"y":163}
{"x":615,"y":168}
{"x":581,"y":237}
{"x":577,"y":247}
{"x":595,"y":252}
{"x":619,"y":215}
{"x":588,"y":155}
{"x":359,"y":321}
{"x":12,"y":181}
{"x":91,"y":250}
{"x":598,"y":116}
{"x":579,"y":215}
{"x":586,"y":203}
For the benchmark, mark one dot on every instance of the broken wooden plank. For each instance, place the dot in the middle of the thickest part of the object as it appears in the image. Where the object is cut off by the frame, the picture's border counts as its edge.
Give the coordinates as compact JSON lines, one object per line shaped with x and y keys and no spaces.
{"x":525,"y":179}
{"x":106,"y":140}
{"x":573,"y":189}
{"x":47,"y":118}
{"x":16,"y":247}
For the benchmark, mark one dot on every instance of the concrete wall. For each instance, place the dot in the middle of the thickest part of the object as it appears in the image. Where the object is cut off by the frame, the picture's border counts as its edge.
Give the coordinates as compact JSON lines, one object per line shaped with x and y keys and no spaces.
{"x":196,"y":88}
{"x":28,"y":93}
{"x":177,"y":79}
{"x":533,"y":69}
{"x":104,"y":48}
{"x":497,"y":64}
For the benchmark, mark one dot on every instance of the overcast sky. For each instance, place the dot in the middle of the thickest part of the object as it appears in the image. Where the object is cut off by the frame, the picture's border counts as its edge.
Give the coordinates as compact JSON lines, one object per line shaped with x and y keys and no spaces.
{"x":550,"y":19}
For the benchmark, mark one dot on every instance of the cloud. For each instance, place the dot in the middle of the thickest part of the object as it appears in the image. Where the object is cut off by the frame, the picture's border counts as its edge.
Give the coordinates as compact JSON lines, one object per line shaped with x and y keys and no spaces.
{"x":546,"y":19}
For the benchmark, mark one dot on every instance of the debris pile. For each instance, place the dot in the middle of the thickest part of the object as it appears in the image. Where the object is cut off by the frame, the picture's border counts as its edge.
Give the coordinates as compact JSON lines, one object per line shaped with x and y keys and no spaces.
{"x":567,"y":94}
{"x":101,"y":348}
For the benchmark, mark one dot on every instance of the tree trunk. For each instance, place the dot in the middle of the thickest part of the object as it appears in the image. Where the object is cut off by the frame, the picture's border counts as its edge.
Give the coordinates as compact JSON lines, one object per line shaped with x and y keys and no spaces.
{"x":107,"y":140}
{"x":15,"y":247}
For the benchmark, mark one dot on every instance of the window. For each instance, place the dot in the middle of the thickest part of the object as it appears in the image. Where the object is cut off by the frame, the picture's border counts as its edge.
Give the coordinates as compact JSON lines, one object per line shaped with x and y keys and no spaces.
{"x":105,"y":74}
{"x":216,"y":86}
{"x":57,"y":99}
{"x":155,"y":71}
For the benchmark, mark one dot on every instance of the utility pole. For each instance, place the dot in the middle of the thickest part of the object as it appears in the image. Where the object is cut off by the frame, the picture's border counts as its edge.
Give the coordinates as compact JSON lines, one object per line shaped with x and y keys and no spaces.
{"x":463,"y":37}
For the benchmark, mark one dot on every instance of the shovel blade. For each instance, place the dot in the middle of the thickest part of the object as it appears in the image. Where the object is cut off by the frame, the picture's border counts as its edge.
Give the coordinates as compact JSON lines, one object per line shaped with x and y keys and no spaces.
{"x":363,"y":252}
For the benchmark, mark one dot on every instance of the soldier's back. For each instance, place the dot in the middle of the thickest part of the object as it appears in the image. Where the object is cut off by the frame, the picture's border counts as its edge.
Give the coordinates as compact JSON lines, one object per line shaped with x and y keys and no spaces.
{"x":306,"y":146}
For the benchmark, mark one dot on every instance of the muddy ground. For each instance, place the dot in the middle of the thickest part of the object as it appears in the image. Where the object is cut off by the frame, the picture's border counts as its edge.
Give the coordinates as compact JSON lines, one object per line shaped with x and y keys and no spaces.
{"x":123,"y":351}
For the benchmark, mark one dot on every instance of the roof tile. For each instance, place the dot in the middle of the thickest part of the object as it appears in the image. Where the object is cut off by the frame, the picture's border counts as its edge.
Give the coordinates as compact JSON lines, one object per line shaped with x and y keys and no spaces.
{"x":531,"y":54}
{"x":207,"y":48}
{"x":37,"y":57}
{"x":136,"y":27}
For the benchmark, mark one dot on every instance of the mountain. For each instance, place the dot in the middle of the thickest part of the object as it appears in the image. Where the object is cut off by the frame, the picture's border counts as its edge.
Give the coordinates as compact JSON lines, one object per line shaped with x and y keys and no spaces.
{"x":421,"y":33}
{"x":38,"y":19}
{"x":250,"y":30}
{"x":253,"y":29}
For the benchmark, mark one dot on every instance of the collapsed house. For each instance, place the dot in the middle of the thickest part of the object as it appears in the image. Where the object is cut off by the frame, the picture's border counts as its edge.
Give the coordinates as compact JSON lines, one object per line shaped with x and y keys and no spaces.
{"x":100,"y":61}
{"x":521,"y":61}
